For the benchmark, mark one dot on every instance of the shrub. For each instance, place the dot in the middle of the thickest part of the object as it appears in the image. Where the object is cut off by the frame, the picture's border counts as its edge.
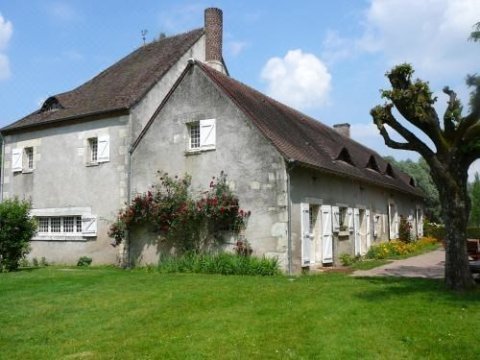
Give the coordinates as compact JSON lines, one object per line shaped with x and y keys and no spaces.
{"x":186,"y":222}
{"x":396,"y":248}
{"x":347,"y":259}
{"x":405,"y":230}
{"x":219,"y":263}
{"x":434,"y":230}
{"x":84,"y":261}
{"x":16,"y":230}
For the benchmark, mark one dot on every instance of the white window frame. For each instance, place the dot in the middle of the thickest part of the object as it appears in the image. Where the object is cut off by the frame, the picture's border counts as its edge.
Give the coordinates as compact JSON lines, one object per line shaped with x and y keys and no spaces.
{"x":93,"y":150}
{"x":201,"y":135}
{"x":29,"y":158}
{"x":75,"y":229}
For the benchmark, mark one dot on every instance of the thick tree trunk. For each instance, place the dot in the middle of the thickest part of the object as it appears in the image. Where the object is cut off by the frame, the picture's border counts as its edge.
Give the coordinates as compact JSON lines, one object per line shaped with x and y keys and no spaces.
{"x":455,"y":207}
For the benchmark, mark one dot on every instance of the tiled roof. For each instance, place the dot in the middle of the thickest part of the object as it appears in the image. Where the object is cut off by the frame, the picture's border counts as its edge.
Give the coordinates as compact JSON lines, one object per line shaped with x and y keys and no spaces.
{"x":119,"y":87}
{"x":303,"y":139}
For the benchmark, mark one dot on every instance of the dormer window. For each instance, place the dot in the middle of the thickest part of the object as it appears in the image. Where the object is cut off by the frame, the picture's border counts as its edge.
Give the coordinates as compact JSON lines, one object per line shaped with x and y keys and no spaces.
{"x":345,"y":156}
{"x":372,"y":164}
{"x":51,"y":104}
{"x":389,"y":171}
{"x":412,"y":182}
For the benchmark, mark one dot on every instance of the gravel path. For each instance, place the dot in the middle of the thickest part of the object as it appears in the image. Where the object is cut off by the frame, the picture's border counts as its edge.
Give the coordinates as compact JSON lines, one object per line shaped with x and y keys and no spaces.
{"x":429,"y":265}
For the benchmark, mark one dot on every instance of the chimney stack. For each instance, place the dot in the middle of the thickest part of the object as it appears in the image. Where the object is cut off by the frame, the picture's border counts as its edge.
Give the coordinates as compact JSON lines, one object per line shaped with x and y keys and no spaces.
{"x":213,"y":38}
{"x":343,"y":129}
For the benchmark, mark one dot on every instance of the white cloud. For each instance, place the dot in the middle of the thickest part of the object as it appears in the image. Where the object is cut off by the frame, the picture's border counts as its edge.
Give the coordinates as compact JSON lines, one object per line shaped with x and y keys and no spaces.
{"x":431,"y":34}
{"x":299,"y":79}
{"x":6,"y":30}
{"x":234,"y":48}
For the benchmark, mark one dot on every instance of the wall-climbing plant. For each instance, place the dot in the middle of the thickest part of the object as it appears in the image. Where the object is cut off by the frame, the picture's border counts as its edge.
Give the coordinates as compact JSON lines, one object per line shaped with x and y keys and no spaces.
{"x":187,"y":222}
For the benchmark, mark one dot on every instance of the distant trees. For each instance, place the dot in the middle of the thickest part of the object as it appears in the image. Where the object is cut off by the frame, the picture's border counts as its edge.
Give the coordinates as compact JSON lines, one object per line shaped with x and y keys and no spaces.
{"x":420,"y":172}
{"x":475,"y":199}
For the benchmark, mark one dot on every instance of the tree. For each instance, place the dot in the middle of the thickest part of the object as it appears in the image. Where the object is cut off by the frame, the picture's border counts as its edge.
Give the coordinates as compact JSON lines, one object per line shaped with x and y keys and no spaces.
{"x":456,"y":145}
{"x":420,"y":172}
{"x":475,"y":35}
{"x":475,"y":198}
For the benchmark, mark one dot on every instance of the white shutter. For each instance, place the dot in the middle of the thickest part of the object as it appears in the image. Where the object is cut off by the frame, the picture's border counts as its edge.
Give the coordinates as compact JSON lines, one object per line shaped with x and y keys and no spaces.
{"x":335,"y":216}
{"x":17,"y":160}
{"x":419,"y":223}
{"x":103,"y":148}
{"x":89,"y":226}
{"x":207,"y":133}
{"x":369,"y":232}
{"x":327,"y":235}
{"x":306,"y":236}
{"x":356,"y":233}
{"x":350,"y":219}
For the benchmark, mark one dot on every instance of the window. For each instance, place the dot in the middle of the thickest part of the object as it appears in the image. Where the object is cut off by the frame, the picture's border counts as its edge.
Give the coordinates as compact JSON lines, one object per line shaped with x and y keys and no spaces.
{"x":99,"y":149}
{"x":93,"y":148}
{"x":202,"y":135}
{"x":195,"y":135}
{"x":342,"y":219}
{"x":28,"y":158}
{"x":56,"y":225}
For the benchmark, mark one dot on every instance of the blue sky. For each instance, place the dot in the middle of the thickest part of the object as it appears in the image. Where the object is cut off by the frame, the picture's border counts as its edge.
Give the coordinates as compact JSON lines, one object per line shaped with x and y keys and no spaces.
{"x":325,"y":58}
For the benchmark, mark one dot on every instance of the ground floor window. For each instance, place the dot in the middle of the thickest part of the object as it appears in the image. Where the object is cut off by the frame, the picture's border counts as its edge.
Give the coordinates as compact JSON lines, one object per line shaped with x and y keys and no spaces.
{"x":59,"y":224}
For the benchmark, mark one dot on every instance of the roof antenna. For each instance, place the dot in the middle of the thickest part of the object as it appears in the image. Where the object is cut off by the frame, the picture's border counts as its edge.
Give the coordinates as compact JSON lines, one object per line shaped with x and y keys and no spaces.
{"x":144,"y":32}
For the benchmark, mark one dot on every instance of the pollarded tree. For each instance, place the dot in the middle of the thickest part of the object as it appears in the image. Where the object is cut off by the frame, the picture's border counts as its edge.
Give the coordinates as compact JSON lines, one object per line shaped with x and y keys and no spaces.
{"x":475,"y":198}
{"x":456,"y":144}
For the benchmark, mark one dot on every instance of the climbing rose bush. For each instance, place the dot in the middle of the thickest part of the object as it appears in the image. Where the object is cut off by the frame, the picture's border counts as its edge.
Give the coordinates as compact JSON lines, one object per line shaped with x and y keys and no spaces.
{"x":188,"y":222}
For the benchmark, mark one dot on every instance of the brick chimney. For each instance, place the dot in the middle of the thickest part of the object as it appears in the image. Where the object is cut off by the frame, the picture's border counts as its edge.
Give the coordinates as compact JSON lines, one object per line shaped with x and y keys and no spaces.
{"x":213,"y":38}
{"x":343,"y":129}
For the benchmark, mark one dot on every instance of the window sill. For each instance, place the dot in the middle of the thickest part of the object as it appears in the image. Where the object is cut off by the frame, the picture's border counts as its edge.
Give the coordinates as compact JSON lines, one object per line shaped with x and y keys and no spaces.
{"x":198,"y":151}
{"x":60,"y":237}
{"x":90,"y":164}
{"x":29,"y":171}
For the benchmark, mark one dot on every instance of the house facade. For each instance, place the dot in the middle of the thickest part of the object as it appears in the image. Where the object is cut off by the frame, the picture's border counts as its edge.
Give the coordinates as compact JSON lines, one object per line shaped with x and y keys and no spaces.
{"x":313,"y":192}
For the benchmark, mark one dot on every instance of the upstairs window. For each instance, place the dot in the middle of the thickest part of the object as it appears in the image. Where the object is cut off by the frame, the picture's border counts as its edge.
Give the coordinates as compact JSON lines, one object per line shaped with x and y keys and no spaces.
{"x":202,"y":135}
{"x":28,"y":158}
{"x":99,"y":149}
{"x":389,"y":171}
{"x":93,"y":149}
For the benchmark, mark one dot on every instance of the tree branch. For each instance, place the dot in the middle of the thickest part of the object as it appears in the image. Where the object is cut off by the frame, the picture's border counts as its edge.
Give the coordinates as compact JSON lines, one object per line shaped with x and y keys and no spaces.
{"x":453,"y":112}
{"x":383,"y":115}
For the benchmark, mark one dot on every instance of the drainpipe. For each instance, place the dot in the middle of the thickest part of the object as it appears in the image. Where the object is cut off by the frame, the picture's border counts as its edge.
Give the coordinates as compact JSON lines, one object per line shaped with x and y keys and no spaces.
{"x":129,"y":200}
{"x":2,"y":168}
{"x":290,"y":165}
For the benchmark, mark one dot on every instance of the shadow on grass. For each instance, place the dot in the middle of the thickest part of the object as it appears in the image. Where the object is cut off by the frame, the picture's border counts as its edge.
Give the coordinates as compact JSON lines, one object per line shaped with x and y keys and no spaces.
{"x":390,"y":287}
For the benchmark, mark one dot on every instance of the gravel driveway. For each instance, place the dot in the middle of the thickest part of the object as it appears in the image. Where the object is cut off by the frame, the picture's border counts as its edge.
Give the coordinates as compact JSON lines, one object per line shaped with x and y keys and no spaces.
{"x":430,"y":265}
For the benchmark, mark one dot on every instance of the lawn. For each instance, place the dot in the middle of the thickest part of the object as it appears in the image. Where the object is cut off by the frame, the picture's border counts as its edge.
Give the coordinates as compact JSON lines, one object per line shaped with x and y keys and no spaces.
{"x":106,"y":313}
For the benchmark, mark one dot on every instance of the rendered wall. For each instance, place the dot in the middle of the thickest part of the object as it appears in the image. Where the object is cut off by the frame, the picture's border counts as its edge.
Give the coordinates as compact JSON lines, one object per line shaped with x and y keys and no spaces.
{"x":63,"y":183}
{"x":255,"y":170}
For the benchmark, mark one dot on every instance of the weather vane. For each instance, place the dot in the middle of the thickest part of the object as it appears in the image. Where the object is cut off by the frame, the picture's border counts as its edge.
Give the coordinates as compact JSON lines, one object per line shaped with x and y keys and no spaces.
{"x":144,"y":32}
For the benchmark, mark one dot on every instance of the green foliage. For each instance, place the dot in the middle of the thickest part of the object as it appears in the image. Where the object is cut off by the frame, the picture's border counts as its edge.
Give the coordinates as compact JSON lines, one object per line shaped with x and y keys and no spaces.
{"x":475,"y":34}
{"x":473,"y":232}
{"x":219,"y":263}
{"x":420,"y":172}
{"x":398,"y":249}
{"x":431,"y":229}
{"x":16,"y":230}
{"x":184,"y":221}
{"x":347,"y":259}
{"x":405,"y":230}
{"x":475,"y":201}
{"x":84,"y":261}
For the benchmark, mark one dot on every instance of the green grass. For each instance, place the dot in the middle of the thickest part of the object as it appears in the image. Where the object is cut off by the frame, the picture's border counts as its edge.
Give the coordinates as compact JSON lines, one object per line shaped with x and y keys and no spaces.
{"x":368,"y":264}
{"x":106,"y":313}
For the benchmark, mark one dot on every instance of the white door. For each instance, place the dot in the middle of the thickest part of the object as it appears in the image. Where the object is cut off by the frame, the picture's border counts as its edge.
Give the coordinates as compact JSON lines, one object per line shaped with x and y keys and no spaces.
{"x":327,"y":234}
{"x":369,"y":232}
{"x":307,"y":236}
{"x":357,"y":232}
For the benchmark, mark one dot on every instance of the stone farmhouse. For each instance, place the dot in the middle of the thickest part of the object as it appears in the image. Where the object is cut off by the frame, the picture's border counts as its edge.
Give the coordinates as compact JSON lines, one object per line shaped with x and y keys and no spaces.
{"x":314,"y":193}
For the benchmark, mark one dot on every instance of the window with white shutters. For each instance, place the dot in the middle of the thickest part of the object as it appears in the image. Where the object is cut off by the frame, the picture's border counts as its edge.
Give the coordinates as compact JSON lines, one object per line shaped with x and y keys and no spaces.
{"x":28,"y":158}
{"x":103,"y":148}
{"x":59,"y":225}
{"x":93,"y":150}
{"x":202,"y":135}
